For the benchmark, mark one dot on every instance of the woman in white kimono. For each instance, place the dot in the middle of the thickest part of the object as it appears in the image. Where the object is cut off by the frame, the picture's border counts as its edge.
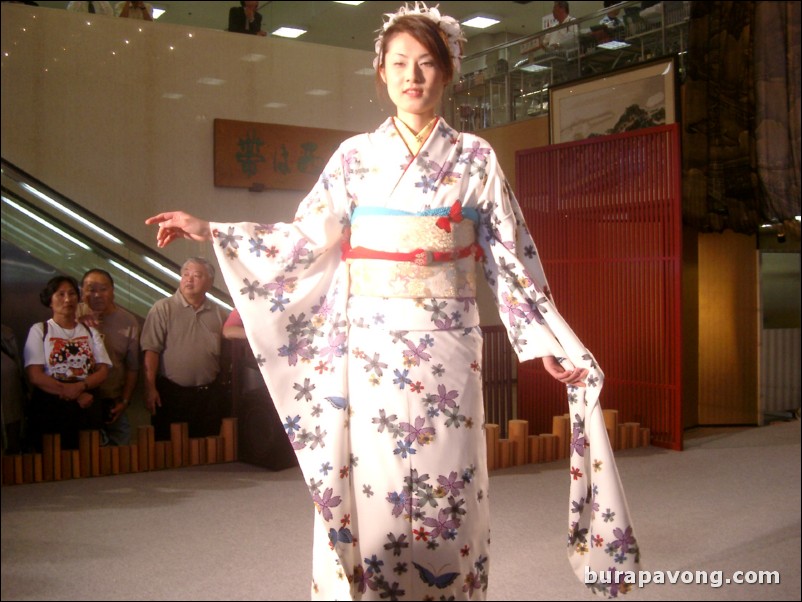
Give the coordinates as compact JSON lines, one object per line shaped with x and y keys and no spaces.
{"x":362,"y":314}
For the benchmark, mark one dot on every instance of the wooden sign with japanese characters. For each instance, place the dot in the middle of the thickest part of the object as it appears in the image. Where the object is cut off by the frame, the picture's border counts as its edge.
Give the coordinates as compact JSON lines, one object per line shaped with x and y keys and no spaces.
{"x":258,"y":156}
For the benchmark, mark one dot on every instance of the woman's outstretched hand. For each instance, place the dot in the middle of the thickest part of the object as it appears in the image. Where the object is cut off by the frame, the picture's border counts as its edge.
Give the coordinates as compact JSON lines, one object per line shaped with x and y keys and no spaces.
{"x":177,"y":224}
{"x":567,"y":377}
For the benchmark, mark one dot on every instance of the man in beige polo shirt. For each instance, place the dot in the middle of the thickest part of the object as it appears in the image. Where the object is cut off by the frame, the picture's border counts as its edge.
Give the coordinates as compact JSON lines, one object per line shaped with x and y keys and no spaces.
{"x":181,"y":340}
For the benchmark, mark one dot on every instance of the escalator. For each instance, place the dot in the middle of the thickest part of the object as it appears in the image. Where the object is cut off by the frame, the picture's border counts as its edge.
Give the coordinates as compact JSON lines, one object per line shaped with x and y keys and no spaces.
{"x":45,"y":233}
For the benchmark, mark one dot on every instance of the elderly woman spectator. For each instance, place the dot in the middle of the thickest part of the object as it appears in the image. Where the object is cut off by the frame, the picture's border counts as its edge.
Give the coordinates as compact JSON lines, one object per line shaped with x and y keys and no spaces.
{"x":64,"y":361}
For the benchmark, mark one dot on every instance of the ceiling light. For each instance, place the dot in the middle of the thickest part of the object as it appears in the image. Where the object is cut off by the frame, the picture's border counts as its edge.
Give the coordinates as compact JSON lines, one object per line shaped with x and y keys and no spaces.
{"x":211,"y":81}
{"x":356,"y":3}
{"x":289,"y":32}
{"x":318,"y":92}
{"x":534,"y":68}
{"x":158,"y":12}
{"x":275,"y":105}
{"x":480,"y":22}
{"x":613,"y":45}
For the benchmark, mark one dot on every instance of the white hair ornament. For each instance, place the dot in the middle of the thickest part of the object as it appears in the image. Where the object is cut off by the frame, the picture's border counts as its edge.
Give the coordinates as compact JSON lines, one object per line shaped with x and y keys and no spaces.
{"x":448,"y":25}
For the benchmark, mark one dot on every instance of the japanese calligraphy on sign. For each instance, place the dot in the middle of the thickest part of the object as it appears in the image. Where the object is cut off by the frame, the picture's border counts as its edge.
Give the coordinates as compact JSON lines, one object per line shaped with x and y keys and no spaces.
{"x":265,"y":155}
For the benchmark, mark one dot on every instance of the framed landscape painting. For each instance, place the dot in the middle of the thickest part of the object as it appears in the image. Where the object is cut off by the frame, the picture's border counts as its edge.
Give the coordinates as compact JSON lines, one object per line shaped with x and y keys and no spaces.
{"x":620,"y":101}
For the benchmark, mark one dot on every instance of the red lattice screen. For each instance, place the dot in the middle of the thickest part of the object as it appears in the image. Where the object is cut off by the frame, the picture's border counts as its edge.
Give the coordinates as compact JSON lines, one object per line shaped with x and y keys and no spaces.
{"x":605,"y":214}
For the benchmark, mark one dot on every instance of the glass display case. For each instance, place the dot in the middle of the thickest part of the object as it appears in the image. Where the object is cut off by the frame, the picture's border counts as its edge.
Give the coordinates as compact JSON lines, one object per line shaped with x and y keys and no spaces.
{"x":511,"y":82}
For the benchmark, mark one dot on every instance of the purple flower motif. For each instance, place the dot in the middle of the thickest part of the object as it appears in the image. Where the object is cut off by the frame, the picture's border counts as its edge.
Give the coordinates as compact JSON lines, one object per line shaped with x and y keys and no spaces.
{"x":257,"y":246}
{"x":295,"y":444}
{"x":396,"y":545}
{"x":401,"y":501}
{"x":446,"y":399}
{"x":291,"y":424}
{"x":475,"y":154}
{"x":577,"y":534}
{"x":426,"y":183}
{"x":317,"y":438}
{"x":325,"y":307}
{"x":417,"y":431}
{"x":624,"y":539}
{"x":404,"y":448}
{"x":304,"y":391}
{"x":443,"y":324}
{"x":511,"y":306}
{"x":250,"y":288}
{"x":295,"y":348}
{"x":416,"y":354}
{"x":299,"y":250}
{"x":401,"y":379}
{"x":577,"y":443}
{"x":532,"y":312}
{"x":278,"y":304}
{"x":444,"y":522}
{"x":336,"y":348}
{"x":362,"y":579}
{"x":451,"y":483}
{"x":229,"y":239}
{"x":325,"y":502}
{"x":375,"y":365}
{"x":383,"y":420}
{"x":280,"y":286}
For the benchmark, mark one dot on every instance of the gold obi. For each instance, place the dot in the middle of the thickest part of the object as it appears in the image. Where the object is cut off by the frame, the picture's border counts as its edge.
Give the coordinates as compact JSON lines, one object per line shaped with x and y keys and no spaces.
{"x":411,"y":256}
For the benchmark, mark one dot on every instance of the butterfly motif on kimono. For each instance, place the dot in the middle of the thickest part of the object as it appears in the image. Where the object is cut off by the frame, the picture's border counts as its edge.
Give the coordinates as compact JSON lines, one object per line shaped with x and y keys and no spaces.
{"x":338,"y":402}
{"x":440,"y":581}
{"x":341,"y":535}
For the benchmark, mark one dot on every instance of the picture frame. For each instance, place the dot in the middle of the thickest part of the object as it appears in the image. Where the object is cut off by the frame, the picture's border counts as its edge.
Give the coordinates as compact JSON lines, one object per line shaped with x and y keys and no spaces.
{"x":619,"y":101}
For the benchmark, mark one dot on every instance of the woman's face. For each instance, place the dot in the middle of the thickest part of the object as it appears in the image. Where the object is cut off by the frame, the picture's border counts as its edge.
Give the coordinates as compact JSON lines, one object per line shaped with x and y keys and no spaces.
{"x":65,"y":300}
{"x":414,"y":82}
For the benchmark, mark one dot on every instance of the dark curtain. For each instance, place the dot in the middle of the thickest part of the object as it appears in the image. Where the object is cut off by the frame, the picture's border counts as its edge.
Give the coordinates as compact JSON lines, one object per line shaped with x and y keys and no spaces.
{"x":741,"y":113}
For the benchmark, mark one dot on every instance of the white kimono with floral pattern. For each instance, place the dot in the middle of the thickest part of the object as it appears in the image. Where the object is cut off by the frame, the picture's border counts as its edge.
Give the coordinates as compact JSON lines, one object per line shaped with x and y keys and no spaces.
{"x":374,"y":365}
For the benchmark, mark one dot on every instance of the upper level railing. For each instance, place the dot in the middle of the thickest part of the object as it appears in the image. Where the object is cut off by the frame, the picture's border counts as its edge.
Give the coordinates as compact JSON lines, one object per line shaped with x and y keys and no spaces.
{"x":511,"y":81}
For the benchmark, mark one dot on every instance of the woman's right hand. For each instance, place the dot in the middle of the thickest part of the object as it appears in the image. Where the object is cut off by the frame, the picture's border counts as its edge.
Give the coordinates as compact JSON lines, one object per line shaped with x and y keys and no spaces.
{"x":85,"y":400}
{"x":72,"y":391}
{"x":174,"y":225}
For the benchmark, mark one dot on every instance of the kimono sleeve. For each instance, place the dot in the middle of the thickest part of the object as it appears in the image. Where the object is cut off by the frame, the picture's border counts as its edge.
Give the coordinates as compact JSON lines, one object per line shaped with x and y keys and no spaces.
{"x":513,"y":269}
{"x":283,"y":275}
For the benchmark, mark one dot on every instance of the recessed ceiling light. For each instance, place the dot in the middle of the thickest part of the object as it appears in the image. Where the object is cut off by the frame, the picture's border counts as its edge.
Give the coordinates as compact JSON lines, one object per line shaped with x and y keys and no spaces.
{"x":318,"y":92}
{"x":172,"y":95}
{"x":211,"y":81}
{"x":480,"y":22}
{"x":613,"y":45}
{"x":534,"y":68}
{"x":355,"y":3}
{"x":289,"y":32}
{"x":253,"y":57}
{"x":275,"y":105}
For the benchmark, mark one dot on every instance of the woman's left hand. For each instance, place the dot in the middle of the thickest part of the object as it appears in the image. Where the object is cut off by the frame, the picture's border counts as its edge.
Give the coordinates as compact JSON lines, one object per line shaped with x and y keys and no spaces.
{"x":567,"y":377}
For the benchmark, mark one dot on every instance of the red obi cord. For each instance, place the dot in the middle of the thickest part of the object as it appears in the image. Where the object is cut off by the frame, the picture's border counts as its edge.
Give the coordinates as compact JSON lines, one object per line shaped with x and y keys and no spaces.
{"x":418,"y":256}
